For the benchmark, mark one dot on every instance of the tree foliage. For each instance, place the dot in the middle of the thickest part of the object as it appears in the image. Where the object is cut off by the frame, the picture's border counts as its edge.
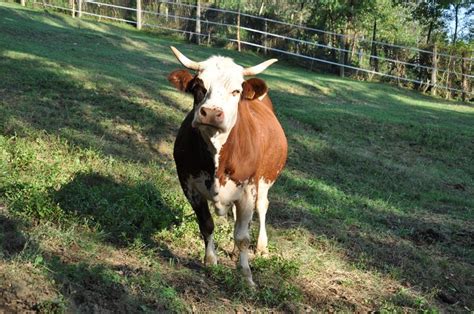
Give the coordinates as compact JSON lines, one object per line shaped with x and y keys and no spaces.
{"x":369,"y":34}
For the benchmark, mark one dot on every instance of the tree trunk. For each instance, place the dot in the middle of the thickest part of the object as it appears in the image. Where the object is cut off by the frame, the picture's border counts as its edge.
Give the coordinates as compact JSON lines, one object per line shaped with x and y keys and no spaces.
{"x":430,"y":29}
{"x":456,"y":22}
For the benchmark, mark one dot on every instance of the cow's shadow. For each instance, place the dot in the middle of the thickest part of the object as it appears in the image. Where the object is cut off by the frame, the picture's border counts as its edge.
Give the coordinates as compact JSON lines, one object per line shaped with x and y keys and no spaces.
{"x":85,"y":286}
{"x":12,"y":240}
{"x":123,"y":212}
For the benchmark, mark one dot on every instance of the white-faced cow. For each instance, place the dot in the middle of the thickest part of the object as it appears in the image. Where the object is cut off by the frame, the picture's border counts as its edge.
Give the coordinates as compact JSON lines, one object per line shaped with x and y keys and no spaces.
{"x":229,"y":149}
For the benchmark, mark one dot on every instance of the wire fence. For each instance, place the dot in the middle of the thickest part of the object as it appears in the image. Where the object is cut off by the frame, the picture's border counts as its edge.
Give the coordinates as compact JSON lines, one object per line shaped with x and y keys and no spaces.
{"x":305,"y":47}
{"x":321,"y":31}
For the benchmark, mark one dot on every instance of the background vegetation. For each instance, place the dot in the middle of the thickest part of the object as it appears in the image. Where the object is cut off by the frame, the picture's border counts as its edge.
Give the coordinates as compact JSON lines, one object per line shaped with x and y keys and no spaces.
{"x":373,"y":212}
{"x":354,"y":33}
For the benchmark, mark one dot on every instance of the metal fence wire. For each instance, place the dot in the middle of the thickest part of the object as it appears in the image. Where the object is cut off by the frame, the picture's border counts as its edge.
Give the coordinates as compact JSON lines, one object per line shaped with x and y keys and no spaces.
{"x":308,"y":44}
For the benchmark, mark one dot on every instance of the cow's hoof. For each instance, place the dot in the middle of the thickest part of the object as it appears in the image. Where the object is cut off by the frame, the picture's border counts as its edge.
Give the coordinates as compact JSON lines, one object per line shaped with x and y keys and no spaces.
{"x":210,"y":260}
{"x":261,"y":251}
{"x":247,"y":276}
{"x":250,"y":283}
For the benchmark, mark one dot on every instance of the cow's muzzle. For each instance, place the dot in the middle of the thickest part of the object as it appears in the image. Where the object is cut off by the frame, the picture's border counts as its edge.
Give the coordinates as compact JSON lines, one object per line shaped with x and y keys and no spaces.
{"x":211,"y":117}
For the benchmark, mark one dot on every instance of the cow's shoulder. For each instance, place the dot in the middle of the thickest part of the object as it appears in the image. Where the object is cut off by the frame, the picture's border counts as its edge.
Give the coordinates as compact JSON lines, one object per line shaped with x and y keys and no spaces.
{"x":255,"y":134}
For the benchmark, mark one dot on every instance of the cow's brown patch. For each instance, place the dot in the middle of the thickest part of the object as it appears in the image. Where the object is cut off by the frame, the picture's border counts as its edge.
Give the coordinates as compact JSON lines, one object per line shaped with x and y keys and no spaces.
{"x":256,"y":146}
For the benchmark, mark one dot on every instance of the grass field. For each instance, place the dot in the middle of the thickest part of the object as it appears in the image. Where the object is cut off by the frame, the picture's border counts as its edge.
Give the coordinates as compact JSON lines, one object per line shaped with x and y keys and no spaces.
{"x":374,"y":211}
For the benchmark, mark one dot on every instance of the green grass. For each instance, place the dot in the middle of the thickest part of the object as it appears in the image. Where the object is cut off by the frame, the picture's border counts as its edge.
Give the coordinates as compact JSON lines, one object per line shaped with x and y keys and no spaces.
{"x":374,"y":211}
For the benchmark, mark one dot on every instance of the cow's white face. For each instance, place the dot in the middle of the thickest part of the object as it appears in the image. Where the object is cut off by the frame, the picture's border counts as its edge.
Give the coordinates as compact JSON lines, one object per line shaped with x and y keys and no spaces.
{"x":222,"y":82}
{"x":217,"y":87}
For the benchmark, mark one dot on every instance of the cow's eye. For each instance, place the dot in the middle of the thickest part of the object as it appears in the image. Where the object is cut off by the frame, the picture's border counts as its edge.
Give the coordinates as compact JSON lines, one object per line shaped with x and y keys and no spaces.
{"x":236,"y":92}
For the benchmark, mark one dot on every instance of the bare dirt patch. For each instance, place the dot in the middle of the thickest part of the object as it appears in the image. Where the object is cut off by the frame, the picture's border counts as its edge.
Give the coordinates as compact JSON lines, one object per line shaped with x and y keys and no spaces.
{"x":24,"y":291}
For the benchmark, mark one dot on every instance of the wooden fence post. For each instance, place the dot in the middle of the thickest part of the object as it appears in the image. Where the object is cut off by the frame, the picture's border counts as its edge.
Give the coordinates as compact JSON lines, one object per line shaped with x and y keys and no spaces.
{"x":342,"y":56}
{"x":434,"y":71}
{"x":79,"y":8}
{"x":72,"y":4}
{"x":448,"y":76}
{"x":238,"y":29}
{"x":198,"y":22}
{"x":265,"y":38}
{"x":139,"y":14}
{"x":464,"y":73}
{"x":23,"y":3}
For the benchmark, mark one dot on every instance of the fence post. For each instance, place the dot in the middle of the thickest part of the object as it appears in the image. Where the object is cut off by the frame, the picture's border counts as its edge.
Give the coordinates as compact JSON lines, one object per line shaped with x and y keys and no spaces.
{"x":23,"y":3}
{"x":198,"y":22}
{"x":72,"y":4}
{"x":79,"y":8}
{"x":139,"y":14}
{"x":342,"y":56}
{"x":464,"y":73}
{"x":238,"y":29}
{"x":265,"y":38}
{"x":434,"y":71}
{"x":448,"y":76}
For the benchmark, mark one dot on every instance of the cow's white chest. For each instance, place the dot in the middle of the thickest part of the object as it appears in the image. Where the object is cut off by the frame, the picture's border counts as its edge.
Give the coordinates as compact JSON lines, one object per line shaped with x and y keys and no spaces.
{"x":221,"y":195}
{"x":212,"y":190}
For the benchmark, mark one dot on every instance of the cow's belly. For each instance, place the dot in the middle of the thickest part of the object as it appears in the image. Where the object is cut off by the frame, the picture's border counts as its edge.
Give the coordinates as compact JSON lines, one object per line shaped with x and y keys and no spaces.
{"x":210,"y":188}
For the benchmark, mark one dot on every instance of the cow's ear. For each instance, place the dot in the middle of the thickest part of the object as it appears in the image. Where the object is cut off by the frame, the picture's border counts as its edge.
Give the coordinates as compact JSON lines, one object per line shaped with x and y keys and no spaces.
{"x":181,"y":79}
{"x":254,"y":88}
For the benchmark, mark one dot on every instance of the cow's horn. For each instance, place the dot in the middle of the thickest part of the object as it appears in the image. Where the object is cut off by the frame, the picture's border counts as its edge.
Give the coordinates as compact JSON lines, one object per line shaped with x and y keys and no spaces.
{"x":190,"y":64}
{"x":259,"y":68}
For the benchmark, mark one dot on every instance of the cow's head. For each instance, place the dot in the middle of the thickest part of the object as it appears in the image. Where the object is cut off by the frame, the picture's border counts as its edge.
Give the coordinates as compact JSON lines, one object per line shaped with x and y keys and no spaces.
{"x":217,"y":87}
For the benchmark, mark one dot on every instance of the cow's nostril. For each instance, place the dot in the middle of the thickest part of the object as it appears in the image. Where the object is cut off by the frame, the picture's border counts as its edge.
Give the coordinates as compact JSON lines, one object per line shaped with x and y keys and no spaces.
{"x":203,"y":112}
{"x":219,"y":115}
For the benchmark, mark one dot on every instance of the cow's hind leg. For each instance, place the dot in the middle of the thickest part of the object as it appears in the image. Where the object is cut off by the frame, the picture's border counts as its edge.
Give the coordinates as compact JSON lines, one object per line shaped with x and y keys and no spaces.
{"x":206,"y":226}
{"x":262,"y":207}
{"x":235,"y":251}
{"x":244,"y":208}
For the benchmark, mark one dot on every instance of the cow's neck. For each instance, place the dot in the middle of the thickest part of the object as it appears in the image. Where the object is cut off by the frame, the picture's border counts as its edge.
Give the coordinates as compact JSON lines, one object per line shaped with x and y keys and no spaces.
{"x":215,"y":140}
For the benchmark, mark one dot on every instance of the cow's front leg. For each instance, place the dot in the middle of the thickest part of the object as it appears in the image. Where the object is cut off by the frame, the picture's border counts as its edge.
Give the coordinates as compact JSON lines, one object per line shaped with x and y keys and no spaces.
{"x":206,"y":226}
{"x":244,"y":208}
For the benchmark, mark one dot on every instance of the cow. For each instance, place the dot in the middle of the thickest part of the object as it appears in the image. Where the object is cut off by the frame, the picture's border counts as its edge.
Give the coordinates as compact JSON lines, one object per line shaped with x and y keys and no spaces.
{"x":229,"y":149}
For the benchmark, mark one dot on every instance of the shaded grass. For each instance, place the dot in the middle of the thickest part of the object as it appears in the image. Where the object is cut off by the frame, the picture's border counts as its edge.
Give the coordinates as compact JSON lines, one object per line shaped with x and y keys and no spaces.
{"x":373,"y":212}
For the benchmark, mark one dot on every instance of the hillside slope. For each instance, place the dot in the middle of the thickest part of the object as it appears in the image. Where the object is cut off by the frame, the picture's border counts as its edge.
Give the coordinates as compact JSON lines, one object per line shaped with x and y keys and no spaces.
{"x":373,"y":211}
